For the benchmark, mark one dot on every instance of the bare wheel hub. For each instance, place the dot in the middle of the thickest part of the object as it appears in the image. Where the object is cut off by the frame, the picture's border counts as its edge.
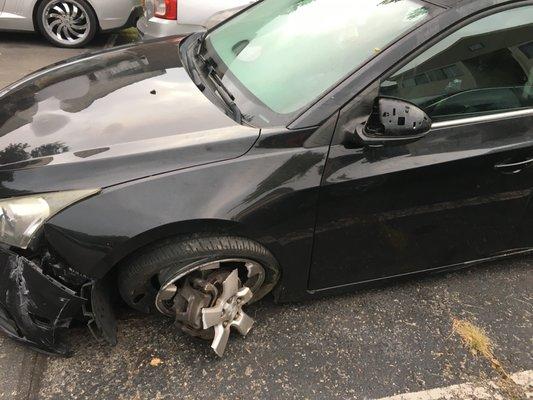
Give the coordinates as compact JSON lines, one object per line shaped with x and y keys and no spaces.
{"x":209,"y":301}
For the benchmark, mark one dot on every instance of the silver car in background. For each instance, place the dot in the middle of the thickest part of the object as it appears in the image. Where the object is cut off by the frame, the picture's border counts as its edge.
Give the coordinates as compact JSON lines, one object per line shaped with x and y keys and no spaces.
{"x":68,"y":23}
{"x":178,"y":17}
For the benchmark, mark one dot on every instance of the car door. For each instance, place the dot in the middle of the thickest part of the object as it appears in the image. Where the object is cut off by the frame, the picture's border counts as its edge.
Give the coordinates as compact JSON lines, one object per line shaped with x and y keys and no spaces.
{"x":455,"y":195}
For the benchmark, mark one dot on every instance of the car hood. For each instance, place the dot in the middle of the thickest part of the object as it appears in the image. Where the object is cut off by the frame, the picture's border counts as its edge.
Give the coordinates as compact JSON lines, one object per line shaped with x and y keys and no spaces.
{"x":110,"y":117}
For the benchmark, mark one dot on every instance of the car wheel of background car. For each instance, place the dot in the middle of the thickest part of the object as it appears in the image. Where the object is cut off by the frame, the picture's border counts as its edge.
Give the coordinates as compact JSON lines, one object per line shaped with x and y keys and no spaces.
{"x":67,"y":23}
{"x":202,"y":281}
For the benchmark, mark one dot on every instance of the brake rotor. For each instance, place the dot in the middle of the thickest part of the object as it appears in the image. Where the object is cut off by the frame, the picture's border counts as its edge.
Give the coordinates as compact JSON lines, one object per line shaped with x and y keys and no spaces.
{"x":255,"y":277}
{"x":195,"y":295}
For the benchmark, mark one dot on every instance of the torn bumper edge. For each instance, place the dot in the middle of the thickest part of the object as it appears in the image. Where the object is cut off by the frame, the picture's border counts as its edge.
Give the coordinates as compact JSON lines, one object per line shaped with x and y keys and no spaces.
{"x":34,"y":307}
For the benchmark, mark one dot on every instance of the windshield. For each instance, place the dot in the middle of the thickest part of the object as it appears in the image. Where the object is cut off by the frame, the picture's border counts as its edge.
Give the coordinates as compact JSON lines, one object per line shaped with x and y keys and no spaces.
{"x":288,"y":52}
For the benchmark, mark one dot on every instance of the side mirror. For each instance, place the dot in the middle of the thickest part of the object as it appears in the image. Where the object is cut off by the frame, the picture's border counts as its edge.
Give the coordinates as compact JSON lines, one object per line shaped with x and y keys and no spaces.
{"x":394,"y":121}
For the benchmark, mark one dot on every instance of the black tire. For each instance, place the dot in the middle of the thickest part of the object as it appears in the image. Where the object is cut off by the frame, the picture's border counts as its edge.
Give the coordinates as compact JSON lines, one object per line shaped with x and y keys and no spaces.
{"x":87,"y":10}
{"x":138,"y":275}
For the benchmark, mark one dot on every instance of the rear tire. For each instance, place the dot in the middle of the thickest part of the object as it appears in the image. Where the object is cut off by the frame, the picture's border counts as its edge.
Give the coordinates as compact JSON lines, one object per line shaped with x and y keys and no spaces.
{"x":138,"y":276}
{"x":67,"y":23}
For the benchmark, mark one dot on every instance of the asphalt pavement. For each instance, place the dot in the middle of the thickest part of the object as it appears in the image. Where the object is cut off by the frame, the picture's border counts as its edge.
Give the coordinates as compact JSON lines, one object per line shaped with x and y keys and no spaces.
{"x":365,"y":345}
{"x":369,"y":344}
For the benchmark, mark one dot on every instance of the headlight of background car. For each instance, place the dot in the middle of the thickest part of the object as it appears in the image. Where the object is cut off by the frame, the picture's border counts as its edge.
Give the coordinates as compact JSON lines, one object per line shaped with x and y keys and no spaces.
{"x":21,"y":217}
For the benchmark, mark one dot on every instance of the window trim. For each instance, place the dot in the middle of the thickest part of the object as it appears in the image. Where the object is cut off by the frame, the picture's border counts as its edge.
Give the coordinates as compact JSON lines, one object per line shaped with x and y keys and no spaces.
{"x":499,"y":116}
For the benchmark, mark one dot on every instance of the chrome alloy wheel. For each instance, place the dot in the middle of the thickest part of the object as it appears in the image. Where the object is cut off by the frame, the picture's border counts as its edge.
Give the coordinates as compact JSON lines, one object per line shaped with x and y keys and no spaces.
{"x":207,"y":299}
{"x":66,"y":21}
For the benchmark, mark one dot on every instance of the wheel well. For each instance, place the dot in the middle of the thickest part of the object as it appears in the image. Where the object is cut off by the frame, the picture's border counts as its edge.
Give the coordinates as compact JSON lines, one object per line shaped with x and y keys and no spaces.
{"x":195,"y":227}
{"x":151,"y":238}
{"x":38,"y":3}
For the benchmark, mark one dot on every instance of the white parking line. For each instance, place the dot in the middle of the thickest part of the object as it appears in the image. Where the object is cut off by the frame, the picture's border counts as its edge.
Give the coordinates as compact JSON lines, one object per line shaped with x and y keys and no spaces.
{"x":471,"y":391}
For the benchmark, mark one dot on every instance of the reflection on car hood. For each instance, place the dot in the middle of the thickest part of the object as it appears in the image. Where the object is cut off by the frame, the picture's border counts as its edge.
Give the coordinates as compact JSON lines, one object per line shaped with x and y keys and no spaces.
{"x":132,"y":112}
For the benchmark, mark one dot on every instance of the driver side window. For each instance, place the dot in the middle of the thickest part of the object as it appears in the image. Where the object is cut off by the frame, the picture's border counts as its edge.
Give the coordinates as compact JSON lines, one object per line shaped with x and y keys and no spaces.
{"x":483,"y":68}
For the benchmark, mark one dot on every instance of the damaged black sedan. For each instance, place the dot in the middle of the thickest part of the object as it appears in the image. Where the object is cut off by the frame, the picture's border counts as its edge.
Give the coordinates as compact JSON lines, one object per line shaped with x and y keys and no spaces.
{"x":301,"y":148}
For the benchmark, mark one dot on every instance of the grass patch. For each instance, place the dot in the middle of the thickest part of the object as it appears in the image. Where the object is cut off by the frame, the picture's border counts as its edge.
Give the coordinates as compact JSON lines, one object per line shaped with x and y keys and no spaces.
{"x":477,"y":341}
{"x":479,"y":344}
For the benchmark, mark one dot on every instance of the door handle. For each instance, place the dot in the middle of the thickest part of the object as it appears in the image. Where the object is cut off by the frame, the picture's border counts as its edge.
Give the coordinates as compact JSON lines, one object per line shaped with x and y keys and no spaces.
{"x":515,"y":166}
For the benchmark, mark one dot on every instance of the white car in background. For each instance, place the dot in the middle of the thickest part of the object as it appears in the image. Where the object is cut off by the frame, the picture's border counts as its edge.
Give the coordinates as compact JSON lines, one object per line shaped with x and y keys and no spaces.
{"x":176,"y":17}
{"x":68,"y":23}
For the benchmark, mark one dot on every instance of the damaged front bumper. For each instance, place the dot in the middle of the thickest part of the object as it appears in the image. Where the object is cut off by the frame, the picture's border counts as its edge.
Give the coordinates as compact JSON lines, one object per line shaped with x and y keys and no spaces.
{"x":34,"y":307}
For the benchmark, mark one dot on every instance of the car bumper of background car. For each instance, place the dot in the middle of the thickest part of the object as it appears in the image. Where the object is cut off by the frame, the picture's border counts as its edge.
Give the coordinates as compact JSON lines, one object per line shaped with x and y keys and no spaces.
{"x":136,"y":13}
{"x":125,"y":19}
{"x":151,"y":28}
{"x":34,"y":307}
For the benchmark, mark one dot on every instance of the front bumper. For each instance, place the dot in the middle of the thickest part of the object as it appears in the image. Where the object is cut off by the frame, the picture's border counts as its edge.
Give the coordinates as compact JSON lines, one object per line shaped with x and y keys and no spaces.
{"x":34,"y":307}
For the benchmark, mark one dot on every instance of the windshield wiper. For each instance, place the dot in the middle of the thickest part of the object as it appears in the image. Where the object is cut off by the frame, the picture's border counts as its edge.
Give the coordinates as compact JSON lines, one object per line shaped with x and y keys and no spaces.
{"x":201,"y":43}
{"x":211,"y":73}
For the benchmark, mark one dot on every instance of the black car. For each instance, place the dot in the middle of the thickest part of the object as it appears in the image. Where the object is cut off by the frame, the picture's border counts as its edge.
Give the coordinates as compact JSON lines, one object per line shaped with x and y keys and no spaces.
{"x":303,"y":147}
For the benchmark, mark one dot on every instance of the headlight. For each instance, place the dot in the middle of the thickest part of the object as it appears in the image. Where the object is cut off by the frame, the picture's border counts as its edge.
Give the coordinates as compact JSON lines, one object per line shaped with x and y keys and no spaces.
{"x":21,"y":217}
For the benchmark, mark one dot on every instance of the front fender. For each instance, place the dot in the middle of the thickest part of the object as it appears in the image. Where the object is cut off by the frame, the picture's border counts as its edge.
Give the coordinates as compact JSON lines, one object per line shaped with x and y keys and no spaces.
{"x":268,"y":195}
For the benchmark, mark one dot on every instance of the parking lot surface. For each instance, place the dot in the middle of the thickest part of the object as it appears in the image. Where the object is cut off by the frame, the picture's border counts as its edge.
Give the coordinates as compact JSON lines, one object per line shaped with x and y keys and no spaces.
{"x":370,"y":344}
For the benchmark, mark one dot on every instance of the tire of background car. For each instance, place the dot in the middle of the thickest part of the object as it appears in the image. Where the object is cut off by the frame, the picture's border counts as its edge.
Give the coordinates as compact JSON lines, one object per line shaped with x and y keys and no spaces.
{"x":67,"y":23}
{"x":139,"y":275}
